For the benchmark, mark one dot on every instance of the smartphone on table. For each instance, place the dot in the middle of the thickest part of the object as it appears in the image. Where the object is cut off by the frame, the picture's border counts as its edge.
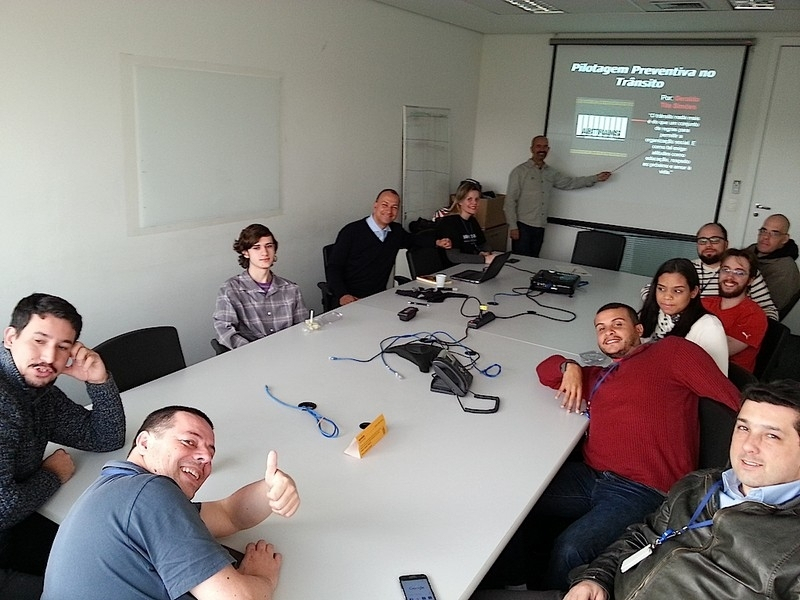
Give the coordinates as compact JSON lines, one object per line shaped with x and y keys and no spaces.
{"x":416,"y":587}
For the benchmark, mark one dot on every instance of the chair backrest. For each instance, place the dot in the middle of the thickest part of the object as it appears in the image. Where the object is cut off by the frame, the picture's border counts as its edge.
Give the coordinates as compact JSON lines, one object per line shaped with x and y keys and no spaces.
{"x":740,"y":377}
{"x":328,"y":300}
{"x":139,"y":356}
{"x":599,"y":249}
{"x":717,"y":422}
{"x":782,"y":313}
{"x":771,"y":346}
{"x":425,"y":261}
{"x":218,"y":348}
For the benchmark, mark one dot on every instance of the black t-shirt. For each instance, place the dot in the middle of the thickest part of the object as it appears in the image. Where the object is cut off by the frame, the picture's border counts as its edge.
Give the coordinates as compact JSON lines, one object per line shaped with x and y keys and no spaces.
{"x":465,"y":234}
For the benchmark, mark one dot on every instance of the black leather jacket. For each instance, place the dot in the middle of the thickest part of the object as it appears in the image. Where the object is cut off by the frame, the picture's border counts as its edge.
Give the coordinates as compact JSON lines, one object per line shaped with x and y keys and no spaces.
{"x":752,"y":550}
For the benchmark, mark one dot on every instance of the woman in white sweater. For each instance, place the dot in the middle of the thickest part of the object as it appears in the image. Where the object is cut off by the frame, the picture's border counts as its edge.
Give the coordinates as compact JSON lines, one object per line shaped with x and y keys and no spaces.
{"x":672,"y":307}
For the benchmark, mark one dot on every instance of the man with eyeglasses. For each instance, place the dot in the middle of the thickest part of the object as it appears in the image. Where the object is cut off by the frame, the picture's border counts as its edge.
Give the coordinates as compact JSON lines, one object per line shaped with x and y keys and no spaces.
{"x":743,"y":320}
{"x":712,"y":241}
{"x":777,"y":254}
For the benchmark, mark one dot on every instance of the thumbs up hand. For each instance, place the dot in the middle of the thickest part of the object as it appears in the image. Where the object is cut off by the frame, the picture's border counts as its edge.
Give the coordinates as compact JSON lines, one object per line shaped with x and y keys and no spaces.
{"x":281,"y":490}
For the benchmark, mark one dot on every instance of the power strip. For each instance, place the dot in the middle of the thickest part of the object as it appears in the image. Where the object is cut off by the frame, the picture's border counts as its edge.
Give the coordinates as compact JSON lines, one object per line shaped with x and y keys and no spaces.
{"x":484,"y":318}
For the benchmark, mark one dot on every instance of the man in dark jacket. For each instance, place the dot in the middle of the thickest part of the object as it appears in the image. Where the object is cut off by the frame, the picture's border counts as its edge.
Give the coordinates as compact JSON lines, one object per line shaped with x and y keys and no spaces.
{"x":777,"y":253}
{"x":40,"y":343}
{"x":718,"y":534}
{"x":365,"y":250}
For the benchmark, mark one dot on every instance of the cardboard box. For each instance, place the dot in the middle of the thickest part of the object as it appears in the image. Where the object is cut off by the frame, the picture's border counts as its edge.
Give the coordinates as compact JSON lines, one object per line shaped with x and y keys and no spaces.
{"x":497,"y":237}
{"x":490,"y":211}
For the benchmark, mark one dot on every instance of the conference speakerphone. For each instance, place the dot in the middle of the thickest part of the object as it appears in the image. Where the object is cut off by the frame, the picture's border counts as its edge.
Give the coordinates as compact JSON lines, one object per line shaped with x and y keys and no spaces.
{"x":555,"y":282}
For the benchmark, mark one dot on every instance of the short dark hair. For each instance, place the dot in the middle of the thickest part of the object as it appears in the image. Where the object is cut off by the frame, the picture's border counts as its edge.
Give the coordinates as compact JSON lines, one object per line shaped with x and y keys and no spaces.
{"x":615,"y":305}
{"x":386,"y":191}
{"x":715,"y":224}
{"x":784,"y":392}
{"x":43,"y":305}
{"x":248,"y":238}
{"x":161,"y":419}
{"x":743,"y":253}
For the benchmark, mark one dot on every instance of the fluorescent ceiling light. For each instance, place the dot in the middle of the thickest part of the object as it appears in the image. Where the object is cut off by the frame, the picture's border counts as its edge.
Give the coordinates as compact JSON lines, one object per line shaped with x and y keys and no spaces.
{"x":534,"y":7}
{"x":752,"y":4}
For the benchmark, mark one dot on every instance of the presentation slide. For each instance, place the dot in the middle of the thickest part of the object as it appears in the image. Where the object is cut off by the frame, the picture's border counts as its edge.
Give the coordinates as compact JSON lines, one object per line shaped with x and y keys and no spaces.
{"x":659,"y":117}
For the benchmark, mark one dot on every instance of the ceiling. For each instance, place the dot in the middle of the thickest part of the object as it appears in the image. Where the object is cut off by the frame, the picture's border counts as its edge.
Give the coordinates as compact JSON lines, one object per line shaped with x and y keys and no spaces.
{"x":609,"y":16}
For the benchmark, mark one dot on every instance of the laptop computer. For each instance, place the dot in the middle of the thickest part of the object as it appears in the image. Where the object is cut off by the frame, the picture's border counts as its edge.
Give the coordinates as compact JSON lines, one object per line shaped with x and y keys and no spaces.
{"x":490,"y":272}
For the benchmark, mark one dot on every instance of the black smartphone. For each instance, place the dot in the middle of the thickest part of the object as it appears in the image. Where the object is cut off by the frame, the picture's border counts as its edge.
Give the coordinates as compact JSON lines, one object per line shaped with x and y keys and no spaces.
{"x":416,"y":587}
{"x":512,"y":260}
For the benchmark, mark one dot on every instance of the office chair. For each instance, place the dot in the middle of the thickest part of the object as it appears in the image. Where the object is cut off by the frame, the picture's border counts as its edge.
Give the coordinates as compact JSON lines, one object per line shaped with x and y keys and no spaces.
{"x":329,"y":301}
{"x":740,"y":377}
{"x":218,"y":348}
{"x":782,"y":313}
{"x":716,"y":428}
{"x":771,"y":347}
{"x":425,"y":261}
{"x":598,"y":249}
{"x":139,"y":356}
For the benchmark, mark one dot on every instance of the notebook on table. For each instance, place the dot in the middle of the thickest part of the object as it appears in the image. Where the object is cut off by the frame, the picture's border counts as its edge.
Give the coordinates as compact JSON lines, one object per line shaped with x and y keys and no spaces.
{"x":490,"y":272}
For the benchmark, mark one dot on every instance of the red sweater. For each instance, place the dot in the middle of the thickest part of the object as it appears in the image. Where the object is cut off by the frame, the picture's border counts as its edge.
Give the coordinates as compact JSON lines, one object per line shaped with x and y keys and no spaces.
{"x":644,"y":423}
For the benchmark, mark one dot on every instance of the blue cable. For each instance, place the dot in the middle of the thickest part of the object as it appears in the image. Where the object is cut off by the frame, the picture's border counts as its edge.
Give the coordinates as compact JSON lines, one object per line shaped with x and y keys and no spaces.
{"x":326,"y":427}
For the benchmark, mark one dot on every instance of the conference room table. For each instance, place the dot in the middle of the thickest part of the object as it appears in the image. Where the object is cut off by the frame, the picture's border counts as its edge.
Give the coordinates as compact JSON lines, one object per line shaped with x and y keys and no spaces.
{"x":561,"y":322}
{"x":440,"y":494}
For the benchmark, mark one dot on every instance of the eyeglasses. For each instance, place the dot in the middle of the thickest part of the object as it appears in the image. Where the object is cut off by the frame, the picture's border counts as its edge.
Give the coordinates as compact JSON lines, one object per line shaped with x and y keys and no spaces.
{"x":734,"y":272}
{"x":773,"y":233}
{"x":704,"y":241}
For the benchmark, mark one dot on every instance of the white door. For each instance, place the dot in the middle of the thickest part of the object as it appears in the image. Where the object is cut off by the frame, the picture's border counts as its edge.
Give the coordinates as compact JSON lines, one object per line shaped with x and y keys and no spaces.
{"x":777,"y":182}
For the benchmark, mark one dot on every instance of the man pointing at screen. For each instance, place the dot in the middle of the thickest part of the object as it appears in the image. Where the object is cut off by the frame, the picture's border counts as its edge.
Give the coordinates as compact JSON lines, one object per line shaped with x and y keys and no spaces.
{"x":528,"y":196}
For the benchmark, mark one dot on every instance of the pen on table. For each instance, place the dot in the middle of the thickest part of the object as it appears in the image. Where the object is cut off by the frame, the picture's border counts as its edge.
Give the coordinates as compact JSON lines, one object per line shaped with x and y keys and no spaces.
{"x":418,"y":303}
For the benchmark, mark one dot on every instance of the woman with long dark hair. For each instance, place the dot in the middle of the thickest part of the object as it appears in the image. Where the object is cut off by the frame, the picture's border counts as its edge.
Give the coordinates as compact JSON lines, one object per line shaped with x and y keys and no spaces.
{"x":673,"y":307}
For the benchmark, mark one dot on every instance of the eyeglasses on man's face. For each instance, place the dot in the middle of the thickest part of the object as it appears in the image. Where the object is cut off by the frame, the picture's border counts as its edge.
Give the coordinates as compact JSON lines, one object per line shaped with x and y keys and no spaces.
{"x":771,"y":233}
{"x":734,"y":272}
{"x":704,"y":241}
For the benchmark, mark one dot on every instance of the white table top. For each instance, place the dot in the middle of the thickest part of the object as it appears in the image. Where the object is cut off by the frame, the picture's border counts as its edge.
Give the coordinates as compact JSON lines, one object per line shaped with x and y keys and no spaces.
{"x":441,"y":494}
{"x":573,"y":337}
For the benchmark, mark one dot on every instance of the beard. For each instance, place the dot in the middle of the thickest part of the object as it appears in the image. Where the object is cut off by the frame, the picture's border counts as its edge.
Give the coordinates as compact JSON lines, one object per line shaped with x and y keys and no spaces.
{"x":735,"y":293}
{"x":709,"y":260}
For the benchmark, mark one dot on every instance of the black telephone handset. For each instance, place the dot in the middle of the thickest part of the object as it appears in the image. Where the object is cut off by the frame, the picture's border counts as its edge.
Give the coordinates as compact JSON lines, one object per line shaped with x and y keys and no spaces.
{"x":451,"y":376}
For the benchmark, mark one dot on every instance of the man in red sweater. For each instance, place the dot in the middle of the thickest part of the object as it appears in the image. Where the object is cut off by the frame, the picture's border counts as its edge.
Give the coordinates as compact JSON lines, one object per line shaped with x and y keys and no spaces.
{"x":744,"y":322}
{"x":643,"y":433}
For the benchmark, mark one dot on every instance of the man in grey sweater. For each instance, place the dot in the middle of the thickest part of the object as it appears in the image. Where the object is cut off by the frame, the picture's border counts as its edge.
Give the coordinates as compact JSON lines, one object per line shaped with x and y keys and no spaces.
{"x":39,"y":344}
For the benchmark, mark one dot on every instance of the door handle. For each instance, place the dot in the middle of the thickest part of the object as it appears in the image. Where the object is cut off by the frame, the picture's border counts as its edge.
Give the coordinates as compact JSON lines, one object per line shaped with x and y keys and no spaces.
{"x":762,"y":207}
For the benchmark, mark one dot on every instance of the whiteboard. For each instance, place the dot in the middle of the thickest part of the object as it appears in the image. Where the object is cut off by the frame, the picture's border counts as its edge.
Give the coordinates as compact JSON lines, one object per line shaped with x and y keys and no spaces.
{"x":204,"y":144}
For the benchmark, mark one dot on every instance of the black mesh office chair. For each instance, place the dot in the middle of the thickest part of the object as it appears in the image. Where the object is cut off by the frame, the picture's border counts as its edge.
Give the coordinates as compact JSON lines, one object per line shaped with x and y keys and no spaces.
{"x":425,"y":261}
{"x":218,"y":348}
{"x":740,"y":377}
{"x":329,"y":301}
{"x":716,"y":428}
{"x":599,"y":249}
{"x":771,"y":347}
{"x":782,"y":313}
{"x":139,"y":356}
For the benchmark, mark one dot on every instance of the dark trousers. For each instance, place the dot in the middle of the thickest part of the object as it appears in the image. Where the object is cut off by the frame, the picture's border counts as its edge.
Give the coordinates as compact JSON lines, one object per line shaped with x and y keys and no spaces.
{"x":23,"y":557}
{"x":530,"y":240}
{"x":595,"y":507}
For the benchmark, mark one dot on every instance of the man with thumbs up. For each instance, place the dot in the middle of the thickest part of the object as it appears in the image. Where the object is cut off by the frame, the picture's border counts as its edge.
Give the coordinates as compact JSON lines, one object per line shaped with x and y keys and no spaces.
{"x":135,"y":534}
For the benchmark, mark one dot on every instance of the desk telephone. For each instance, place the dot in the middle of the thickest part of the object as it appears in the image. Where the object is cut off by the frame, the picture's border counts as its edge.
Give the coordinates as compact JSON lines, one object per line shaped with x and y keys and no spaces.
{"x":451,"y":376}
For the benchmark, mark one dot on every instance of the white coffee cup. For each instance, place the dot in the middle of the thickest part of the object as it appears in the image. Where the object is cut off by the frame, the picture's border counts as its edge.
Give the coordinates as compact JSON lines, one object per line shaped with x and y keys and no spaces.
{"x":441,"y":278}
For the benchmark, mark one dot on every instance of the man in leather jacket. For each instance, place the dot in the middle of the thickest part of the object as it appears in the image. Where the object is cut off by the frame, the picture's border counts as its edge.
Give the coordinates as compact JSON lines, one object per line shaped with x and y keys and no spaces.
{"x":738,"y":530}
{"x":744,"y":541}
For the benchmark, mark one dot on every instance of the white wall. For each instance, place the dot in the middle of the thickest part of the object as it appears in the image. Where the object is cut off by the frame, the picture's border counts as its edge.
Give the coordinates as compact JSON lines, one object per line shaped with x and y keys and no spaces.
{"x":512,"y":106}
{"x":348,"y":67}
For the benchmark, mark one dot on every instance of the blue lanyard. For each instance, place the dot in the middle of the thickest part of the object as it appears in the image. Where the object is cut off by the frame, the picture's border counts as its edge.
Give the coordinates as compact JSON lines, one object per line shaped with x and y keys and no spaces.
{"x":326,"y":427}
{"x":608,"y":370}
{"x":692,"y":524}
